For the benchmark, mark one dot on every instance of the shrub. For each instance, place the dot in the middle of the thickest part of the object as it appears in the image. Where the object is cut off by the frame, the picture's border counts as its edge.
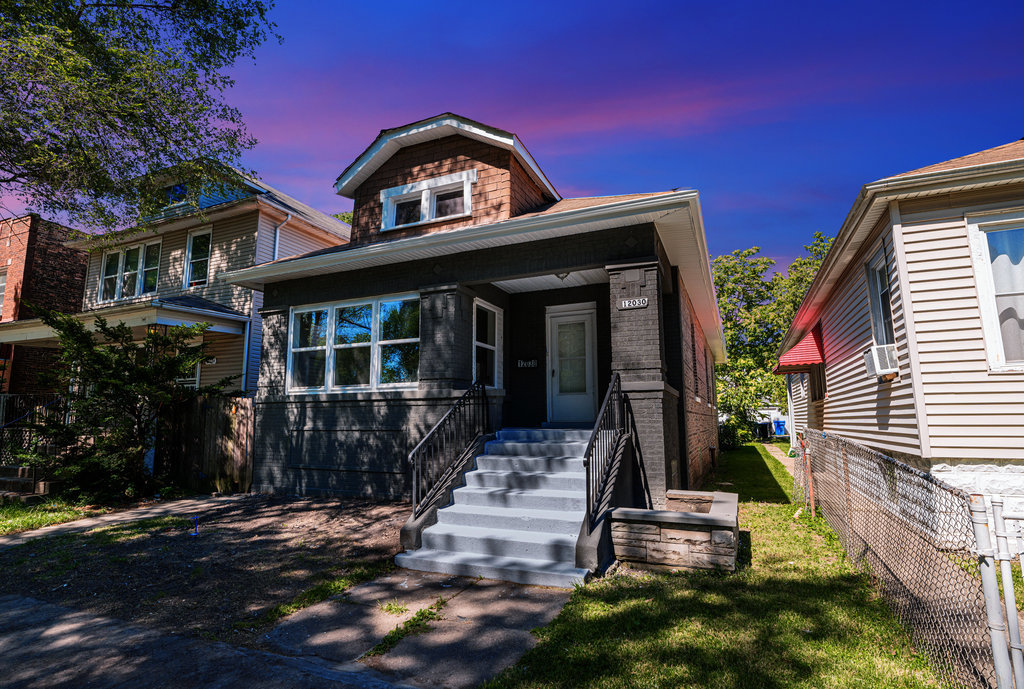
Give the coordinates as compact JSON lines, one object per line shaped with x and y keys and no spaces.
{"x":733,"y":433}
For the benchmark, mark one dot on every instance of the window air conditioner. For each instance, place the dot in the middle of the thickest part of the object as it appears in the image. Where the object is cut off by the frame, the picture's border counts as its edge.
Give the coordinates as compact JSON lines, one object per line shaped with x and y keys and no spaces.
{"x":881,"y":361}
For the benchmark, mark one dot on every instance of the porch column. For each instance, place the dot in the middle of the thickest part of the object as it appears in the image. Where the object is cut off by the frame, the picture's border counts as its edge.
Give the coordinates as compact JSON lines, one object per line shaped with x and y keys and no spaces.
{"x":446,"y":324}
{"x":638,"y":355}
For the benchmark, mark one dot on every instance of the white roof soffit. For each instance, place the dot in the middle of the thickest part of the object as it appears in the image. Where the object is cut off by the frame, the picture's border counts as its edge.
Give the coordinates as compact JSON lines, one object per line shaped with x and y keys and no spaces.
{"x":439,"y":127}
{"x":872,"y":202}
{"x":677,"y":216}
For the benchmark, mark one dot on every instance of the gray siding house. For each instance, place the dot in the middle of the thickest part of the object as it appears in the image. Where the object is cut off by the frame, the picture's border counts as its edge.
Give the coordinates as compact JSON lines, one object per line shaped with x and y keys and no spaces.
{"x":926,"y":280}
{"x":466,"y":266}
{"x":172,"y":275}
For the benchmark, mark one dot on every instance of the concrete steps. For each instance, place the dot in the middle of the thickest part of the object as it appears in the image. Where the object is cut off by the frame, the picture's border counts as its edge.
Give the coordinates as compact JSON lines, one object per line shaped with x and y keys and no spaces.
{"x":519,"y":514}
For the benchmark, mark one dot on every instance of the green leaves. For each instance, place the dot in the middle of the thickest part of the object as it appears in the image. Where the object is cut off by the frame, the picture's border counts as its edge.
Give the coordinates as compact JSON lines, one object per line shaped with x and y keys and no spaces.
{"x":103,"y":104}
{"x":757,"y":307}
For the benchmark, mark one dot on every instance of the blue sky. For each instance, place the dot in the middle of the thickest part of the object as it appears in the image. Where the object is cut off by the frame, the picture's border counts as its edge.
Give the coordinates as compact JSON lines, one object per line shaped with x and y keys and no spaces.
{"x":776,"y":112}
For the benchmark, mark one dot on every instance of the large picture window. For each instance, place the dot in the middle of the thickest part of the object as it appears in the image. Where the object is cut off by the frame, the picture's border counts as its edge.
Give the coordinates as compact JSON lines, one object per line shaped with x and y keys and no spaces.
{"x":130,"y":272}
{"x":487,"y":329}
{"x":997,"y":245}
{"x":355,"y":345}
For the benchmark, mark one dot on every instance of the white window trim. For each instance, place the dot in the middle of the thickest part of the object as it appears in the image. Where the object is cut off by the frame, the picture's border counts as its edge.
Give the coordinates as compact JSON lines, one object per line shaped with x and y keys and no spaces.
{"x":977,"y":229}
{"x":498,"y":348}
{"x":329,"y":346}
{"x":427,"y":191}
{"x":879,"y":263}
{"x":140,"y":271}
{"x":186,"y":273}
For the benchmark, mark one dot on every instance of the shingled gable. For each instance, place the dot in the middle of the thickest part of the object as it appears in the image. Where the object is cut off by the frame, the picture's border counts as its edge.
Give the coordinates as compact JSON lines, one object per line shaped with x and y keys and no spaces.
{"x":390,"y":141}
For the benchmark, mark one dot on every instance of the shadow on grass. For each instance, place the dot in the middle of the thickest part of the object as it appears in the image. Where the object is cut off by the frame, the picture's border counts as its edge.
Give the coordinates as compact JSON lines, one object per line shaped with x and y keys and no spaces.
{"x":752,"y":473}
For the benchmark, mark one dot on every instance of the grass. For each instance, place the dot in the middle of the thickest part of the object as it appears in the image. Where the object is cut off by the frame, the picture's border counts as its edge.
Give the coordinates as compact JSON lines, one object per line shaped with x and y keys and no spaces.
{"x":417,"y":624}
{"x":393,"y":607}
{"x":16,"y":516}
{"x":353,"y":574}
{"x":796,"y":615}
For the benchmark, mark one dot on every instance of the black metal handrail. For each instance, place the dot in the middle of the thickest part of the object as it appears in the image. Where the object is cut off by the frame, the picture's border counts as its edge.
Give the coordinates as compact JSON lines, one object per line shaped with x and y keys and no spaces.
{"x":610,"y":424}
{"x":436,"y":456}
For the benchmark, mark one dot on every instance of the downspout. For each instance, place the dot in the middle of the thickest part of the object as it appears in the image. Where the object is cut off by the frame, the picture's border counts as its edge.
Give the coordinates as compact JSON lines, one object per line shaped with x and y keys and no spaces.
{"x":277,"y":233}
{"x":245,"y":356}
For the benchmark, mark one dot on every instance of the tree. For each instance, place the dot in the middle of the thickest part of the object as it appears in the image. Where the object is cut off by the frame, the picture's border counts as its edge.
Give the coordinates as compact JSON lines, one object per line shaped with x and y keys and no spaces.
{"x":105,"y":105}
{"x":122,"y":390}
{"x":757,"y":308}
{"x":344,"y":216}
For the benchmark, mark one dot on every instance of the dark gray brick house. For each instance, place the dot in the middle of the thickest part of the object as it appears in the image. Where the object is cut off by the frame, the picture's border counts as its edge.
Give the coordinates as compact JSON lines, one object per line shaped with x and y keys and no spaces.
{"x":464,"y":265}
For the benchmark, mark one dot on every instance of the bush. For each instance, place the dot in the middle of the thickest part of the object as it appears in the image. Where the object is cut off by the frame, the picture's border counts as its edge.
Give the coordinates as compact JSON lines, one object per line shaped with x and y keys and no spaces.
{"x":734,"y":433}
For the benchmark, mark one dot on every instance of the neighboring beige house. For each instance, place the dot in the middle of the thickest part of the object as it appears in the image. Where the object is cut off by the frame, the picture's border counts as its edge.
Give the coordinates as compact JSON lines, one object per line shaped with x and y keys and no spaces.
{"x":911,"y":338}
{"x":172,"y":275}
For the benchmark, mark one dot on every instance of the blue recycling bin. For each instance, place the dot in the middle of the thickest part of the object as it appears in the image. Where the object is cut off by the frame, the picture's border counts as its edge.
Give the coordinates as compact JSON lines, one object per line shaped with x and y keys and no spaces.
{"x":780,"y":427}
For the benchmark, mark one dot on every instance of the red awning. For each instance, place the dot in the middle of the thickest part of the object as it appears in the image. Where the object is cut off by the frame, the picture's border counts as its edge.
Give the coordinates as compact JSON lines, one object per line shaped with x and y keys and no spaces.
{"x":803,"y":355}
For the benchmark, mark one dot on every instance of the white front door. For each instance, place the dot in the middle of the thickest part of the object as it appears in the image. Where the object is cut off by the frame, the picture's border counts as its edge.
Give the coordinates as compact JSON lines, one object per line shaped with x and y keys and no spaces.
{"x":571,"y":359}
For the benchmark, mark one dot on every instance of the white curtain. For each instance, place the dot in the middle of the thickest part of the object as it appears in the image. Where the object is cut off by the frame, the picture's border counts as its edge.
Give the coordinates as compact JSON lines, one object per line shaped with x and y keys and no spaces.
{"x":1006,"y":250}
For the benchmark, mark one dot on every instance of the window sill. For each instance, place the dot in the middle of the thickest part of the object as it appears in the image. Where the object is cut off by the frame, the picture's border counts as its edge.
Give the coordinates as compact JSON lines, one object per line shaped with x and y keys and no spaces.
{"x":1008,"y":368}
{"x":391,"y":393}
{"x":421,"y":223}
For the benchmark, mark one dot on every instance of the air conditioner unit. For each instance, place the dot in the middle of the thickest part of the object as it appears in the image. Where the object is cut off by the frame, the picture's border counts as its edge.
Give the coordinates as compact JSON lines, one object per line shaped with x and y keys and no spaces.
{"x":881,"y":360}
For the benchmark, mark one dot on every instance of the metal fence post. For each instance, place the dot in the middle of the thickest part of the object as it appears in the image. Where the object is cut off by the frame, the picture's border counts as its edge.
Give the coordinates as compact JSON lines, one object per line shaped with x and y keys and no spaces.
{"x":808,"y":475}
{"x":993,"y":609}
{"x":1012,"y":623}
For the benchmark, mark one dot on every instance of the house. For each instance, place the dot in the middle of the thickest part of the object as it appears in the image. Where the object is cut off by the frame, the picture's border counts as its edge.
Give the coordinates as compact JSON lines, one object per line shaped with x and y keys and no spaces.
{"x":911,"y":337}
{"x":35,"y":268}
{"x":466,"y":265}
{"x":172,"y":275}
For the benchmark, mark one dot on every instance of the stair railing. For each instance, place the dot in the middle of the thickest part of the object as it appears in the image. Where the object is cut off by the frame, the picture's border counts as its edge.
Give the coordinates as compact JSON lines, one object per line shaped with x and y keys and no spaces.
{"x":436,"y":456}
{"x":610,"y":424}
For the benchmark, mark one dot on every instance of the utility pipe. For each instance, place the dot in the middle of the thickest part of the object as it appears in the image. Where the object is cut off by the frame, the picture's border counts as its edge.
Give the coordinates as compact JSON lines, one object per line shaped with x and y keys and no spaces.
{"x":1009,"y":601}
{"x":989,"y":585}
{"x":277,"y":233}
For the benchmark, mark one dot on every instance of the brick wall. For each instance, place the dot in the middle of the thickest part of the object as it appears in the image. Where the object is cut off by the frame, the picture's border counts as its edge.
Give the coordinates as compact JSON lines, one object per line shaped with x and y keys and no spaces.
{"x":699,"y":414}
{"x":41,"y":271}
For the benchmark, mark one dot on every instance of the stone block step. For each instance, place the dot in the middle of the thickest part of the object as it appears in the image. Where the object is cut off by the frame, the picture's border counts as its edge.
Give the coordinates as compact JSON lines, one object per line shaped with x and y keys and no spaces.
{"x":24,"y":498}
{"x":540,"y":448}
{"x":532,"y":545}
{"x":529,"y":499}
{"x":541,"y":434}
{"x":512,"y":518}
{"x":518,"y":570}
{"x":15,"y":472}
{"x":527,"y":463}
{"x":17,"y":485}
{"x":541,"y":480}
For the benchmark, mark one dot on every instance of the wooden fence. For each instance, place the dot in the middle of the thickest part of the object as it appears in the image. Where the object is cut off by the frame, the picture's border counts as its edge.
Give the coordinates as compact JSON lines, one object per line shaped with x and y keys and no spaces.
{"x":209,"y":445}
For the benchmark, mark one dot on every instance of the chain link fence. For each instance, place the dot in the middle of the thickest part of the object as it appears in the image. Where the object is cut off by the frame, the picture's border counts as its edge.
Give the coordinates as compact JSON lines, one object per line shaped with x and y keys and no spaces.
{"x":913,"y":534}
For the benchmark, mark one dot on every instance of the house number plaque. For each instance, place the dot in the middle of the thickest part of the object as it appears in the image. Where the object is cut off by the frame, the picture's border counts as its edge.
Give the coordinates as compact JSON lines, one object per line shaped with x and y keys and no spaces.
{"x":638,"y":303}
{"x":527,"y":363}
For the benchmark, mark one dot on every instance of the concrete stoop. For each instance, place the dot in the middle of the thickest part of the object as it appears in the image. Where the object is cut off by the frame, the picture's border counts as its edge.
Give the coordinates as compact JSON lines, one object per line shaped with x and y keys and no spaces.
{"x":518,"y":516}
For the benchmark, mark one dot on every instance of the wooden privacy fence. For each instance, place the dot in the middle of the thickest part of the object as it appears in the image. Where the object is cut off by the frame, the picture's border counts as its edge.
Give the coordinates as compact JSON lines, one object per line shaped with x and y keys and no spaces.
{"x":208,"y":444}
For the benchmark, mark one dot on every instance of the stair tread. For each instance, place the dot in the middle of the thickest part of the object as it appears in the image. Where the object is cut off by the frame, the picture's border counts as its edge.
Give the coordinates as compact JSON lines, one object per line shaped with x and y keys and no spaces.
{"x":520,"y":535}
{"x":566,"y":515}
{"x":497,"y":561}
{"x":520,"y":472}
{"x":538,"y":492}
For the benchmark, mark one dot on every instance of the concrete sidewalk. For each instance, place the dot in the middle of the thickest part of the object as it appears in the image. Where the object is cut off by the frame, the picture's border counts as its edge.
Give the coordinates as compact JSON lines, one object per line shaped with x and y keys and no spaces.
{"x":485,"y":627}
{"x":778,"y":454}
{"x":45,"y":646}
{"x":180,"y":508}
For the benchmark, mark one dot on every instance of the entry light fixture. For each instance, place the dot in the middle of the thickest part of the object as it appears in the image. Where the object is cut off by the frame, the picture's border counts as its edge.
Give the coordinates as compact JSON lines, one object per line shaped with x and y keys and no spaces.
{"x":562,"y":276}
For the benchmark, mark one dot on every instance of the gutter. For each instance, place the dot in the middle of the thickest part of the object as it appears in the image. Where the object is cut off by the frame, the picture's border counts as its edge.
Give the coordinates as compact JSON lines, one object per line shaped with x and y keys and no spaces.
{"x":495,"y":231}
{"x":880,"y":191}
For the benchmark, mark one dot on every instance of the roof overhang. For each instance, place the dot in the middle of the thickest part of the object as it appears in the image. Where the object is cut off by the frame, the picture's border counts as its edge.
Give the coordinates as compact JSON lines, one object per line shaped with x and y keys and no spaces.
{"x":35,"y":333}
{"x":390,"y":141}
{"x":676,"y":215}
{"x":871,"y":204}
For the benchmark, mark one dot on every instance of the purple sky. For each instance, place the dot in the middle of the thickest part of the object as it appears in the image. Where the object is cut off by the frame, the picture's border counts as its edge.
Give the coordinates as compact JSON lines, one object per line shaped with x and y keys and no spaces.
{"x":776,"y":113}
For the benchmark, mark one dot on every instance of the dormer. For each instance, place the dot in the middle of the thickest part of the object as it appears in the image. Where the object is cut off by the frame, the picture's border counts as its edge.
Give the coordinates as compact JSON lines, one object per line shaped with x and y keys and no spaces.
{"x":439,"y":174}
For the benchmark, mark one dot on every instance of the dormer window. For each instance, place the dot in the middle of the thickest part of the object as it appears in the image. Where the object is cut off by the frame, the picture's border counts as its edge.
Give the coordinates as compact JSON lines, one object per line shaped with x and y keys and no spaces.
{"x":439,"y":198}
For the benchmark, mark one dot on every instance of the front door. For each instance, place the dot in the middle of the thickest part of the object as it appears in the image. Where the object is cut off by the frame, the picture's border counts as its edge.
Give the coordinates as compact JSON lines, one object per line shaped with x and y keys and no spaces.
{"x":571,"y":359}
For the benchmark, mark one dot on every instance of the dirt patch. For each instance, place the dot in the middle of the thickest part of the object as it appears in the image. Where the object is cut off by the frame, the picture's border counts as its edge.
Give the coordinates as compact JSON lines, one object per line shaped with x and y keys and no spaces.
{"x":250,"y":555}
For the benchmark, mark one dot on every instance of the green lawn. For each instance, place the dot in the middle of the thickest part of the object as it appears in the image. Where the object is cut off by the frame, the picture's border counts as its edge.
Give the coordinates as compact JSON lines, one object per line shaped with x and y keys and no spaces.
{"x":796,"y":615}
{"x":18,"y":517}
